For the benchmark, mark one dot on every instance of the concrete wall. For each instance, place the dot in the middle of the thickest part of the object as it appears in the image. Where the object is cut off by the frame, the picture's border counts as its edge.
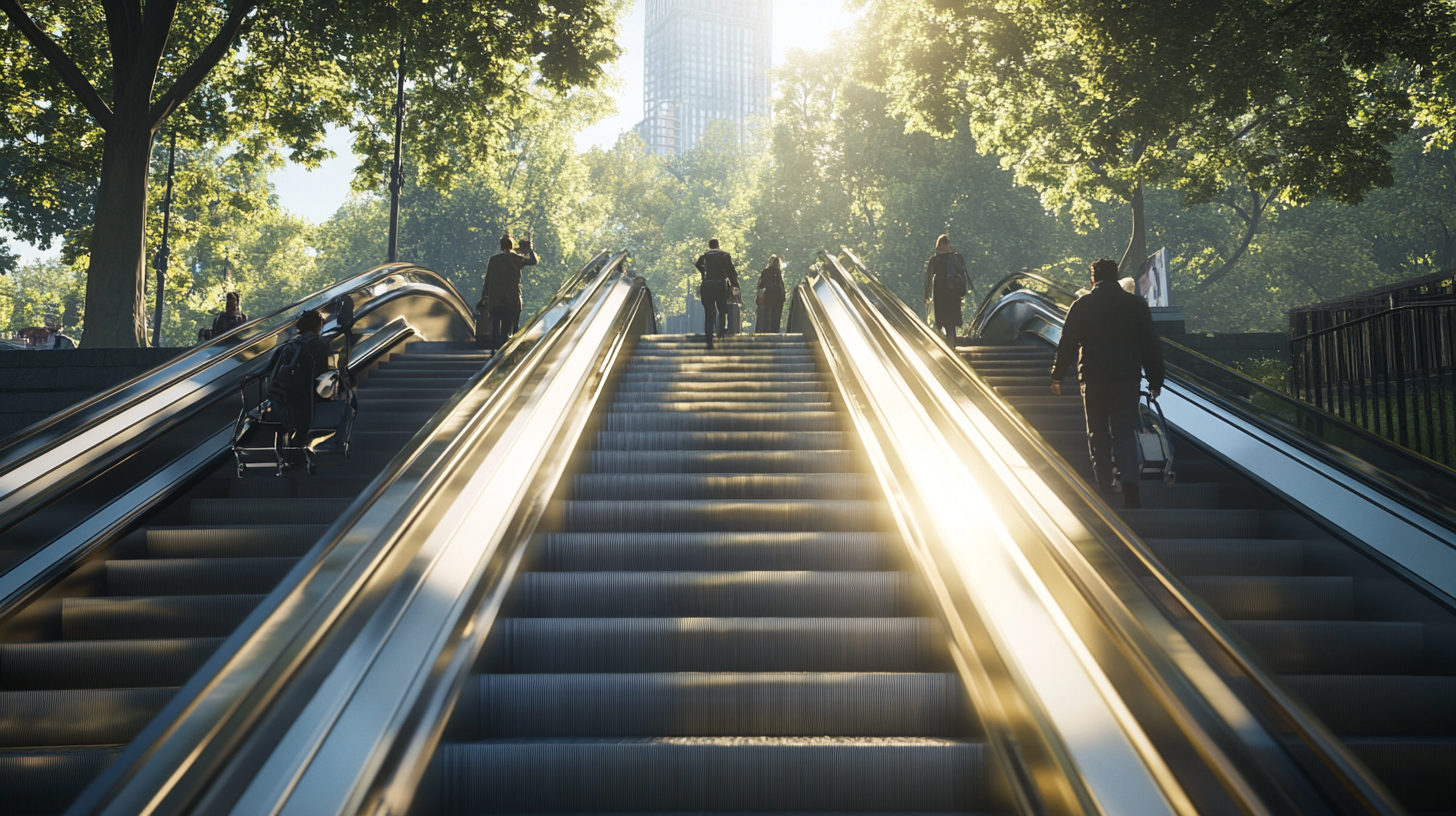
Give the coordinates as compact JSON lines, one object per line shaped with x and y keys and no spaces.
{"x":37,"y":384}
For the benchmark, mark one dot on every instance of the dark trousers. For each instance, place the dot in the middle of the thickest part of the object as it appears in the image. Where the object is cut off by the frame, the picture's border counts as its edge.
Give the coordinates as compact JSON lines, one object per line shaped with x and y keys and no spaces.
{"x":1112,"y":426}
{"x":715,"y":300}
{"x":504,"y":322}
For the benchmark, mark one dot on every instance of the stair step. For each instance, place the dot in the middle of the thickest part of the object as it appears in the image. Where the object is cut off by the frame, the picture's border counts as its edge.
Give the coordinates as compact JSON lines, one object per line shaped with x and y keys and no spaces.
{"x":595,"y":645}
{"x":779,"y":594}
{"x":719,"y":516}
{"x":77,"y":716}
{"x":176,"y":616}
{"x":797,"y":486}
{"x":723,"y":461}
{"x":97,"y":664}
{"x":45,"y":781}
{"x":263,"y":511}
{"x":1336,"y":647}
{"x":235,"y":541}
{"x":775,"y":421}
{"x":196,"y":576}
{"x":721,"y":441}
{"x":568,"y":552}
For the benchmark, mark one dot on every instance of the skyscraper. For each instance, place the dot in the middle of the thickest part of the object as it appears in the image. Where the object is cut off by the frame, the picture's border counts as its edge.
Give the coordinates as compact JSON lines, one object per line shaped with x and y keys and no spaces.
{"x":706,"y":60}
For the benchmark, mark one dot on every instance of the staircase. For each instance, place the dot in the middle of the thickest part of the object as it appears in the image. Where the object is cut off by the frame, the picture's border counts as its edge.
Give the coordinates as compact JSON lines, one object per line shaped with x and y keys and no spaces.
{"x":1368,"y":654}
{"x":717,"y":621}
{"x":84,"y":668}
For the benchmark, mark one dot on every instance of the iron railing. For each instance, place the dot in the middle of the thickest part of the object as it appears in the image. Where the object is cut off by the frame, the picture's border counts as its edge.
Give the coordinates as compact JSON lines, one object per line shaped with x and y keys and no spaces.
{"x":1391,"y":373}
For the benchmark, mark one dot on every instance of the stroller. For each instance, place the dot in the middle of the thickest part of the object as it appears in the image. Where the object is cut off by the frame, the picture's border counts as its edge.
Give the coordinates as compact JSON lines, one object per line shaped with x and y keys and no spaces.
{"x":295,"y":416}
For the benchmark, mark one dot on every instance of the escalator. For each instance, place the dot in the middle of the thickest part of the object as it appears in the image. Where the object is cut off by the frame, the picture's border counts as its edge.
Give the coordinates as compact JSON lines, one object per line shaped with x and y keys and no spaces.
{"x":87,"y":665}
{"x":722,"y":619}
{"x":1365,"y":648}
{"x":152,"y":600}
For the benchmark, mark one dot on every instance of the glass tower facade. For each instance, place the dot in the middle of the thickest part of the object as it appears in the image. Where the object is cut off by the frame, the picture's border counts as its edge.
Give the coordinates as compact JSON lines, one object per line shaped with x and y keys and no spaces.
{"x":706,"y":60}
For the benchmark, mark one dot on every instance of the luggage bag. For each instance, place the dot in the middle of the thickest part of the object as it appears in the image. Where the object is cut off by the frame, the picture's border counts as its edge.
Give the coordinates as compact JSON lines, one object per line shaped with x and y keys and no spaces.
{"x":1155,"y":442}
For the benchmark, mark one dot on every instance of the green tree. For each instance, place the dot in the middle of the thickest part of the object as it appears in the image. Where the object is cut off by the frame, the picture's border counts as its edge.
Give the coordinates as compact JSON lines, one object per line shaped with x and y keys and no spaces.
{"x":90,"y":82}
{"x":1098,"y":100}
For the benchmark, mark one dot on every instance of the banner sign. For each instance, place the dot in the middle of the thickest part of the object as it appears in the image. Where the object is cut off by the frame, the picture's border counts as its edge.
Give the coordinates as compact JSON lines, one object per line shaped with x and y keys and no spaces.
{"x":1152,"y":280}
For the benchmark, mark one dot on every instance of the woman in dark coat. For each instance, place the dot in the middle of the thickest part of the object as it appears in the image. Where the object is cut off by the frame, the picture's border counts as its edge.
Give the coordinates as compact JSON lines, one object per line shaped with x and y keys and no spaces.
{"x":947,"y":304}
{"x":771,"y":298}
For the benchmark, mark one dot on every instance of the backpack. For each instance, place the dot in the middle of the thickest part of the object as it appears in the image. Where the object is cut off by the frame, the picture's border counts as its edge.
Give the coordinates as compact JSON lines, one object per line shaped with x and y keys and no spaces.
{"x":290,"y":384}
{"x":957,"y":280}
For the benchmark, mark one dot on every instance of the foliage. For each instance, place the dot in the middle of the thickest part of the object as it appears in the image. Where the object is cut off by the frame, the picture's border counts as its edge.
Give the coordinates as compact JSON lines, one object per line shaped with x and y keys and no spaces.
{"x":49,"y":288}
{"x":88,"y":84}
{"x":1095,"y":100}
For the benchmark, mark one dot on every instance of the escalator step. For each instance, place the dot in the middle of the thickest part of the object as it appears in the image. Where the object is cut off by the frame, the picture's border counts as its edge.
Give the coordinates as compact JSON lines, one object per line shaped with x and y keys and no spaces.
{"x":1230,"y":556}
{"x":102,"y":663}
{"x":1418,"y":770}
{"x":532,"y":645}
{"x":640,"y":400}
{"x":1373,"y":705}
{"x":711,"y":594}
{"x":713,"y":551}
{"x":1277,"y":598}
{"x":1183,"y":496}
{"x":77,"y":716}
{"x":264,"y":511}
{"x":819,"y":403}
{"x":1336,"y":647}
{"x":1194,"y":523}
{"x":727,"y":704}
{"x":732,"y":386}
{"x":46,"y":781}
{"x":766,"y":366}
{"x":706,"y":773}
{"x":778,"y":421}
{"x":721,"y":440}
{"x":266,"y":540}
{"x":426,"y":393}
{"x":719,"y":516}
{"x":196,"y":576}
{"x":804,"y":487}
{"x":176,"y":616}
{"x":796,"y":374}
{"x":723,"y":461}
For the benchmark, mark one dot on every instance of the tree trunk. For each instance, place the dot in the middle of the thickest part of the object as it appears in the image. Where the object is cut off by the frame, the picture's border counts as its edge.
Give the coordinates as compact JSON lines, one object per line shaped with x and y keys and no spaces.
{"x":116,"y":278}
{"x":1137,"y":245}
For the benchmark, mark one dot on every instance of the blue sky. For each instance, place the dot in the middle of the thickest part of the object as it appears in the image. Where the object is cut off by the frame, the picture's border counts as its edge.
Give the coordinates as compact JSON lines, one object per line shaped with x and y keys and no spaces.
{"x":318,"y":193}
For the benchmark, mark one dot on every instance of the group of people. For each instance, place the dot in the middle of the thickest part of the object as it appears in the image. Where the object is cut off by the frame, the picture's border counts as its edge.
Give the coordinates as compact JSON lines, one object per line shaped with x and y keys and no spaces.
{"x":1108,"y":334}
{"x":720,"y":286}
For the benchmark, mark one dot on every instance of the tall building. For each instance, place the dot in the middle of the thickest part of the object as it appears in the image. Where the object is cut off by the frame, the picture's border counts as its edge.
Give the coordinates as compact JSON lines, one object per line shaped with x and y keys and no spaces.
{"x":706,"y":60}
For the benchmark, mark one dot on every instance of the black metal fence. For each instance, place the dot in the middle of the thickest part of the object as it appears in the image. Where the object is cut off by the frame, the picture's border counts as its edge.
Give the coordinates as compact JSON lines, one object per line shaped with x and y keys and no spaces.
{"x":1390,"y":372}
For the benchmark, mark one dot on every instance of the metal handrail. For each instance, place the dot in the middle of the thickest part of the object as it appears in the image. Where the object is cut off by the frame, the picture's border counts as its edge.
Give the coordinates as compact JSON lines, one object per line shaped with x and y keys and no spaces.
{"x":1360,"y":791}
{"x":190,"y":743}
{"x":476,"y":506}
{"x":1382,"y":476}
{"x":1407,"y":307}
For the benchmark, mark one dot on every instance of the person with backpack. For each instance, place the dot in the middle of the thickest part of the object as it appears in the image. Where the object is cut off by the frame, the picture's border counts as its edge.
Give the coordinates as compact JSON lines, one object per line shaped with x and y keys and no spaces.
{"x":501,"y":294}
{"x":771,"y":297}
{"x":720,"y":278}
{"x":946,"y":284}
{"x":291,"y":373}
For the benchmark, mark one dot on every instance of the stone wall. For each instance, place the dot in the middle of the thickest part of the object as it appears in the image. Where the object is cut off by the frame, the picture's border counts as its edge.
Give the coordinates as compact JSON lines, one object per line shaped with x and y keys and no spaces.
{"x":37,"y":384}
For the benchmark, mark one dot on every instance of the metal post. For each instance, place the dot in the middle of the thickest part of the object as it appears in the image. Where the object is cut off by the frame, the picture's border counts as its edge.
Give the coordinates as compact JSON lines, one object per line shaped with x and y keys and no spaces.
{"x":164,"y":252}
{"x":396,"y":176}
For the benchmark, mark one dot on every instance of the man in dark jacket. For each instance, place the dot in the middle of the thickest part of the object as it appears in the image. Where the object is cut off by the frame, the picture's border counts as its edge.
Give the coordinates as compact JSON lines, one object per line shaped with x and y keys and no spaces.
{"x":1113,"y":331}
{"x":719,"y":279}
{"x":502,"y":291}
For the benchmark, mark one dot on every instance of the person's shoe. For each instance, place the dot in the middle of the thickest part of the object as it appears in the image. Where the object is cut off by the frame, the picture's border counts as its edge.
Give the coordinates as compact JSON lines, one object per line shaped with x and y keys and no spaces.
{"x":1132,"y":496}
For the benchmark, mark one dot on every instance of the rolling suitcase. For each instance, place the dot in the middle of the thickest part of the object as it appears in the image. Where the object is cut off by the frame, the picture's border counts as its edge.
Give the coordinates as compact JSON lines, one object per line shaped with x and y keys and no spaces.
{"x":1155,"y":442}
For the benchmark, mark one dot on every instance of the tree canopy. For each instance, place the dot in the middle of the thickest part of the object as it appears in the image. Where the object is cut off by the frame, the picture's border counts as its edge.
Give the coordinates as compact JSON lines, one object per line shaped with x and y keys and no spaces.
{"x":89,"y":83}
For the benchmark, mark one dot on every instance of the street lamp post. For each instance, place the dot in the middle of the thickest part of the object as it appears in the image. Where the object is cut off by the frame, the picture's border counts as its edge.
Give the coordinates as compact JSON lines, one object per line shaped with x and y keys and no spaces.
{"x":164,"y":252}
{"x":396,"y":176}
